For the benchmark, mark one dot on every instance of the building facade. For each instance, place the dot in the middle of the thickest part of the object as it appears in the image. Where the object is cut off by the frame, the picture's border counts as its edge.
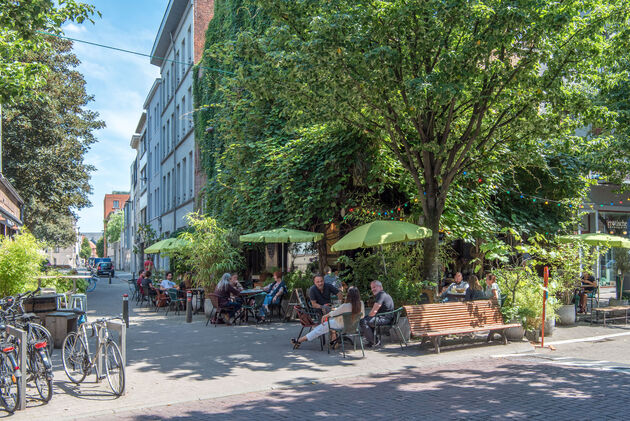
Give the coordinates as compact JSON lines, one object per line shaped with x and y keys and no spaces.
{"x":112,"y":203}
{"x":166,"y":176}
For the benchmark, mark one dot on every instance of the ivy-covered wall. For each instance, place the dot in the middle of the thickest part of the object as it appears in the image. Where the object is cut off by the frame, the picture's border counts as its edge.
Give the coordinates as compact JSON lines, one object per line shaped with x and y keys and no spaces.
{"x":264,"y":173}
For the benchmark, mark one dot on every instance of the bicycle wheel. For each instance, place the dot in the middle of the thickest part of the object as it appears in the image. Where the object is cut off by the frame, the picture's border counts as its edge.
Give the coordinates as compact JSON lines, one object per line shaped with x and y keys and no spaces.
{"x":43,"y":379}
{"x":38,"y":333}
{"x":114,"y":368}
{"x":91,"y":286}
{"x":9,"y":390}
{"x":76,"y":361}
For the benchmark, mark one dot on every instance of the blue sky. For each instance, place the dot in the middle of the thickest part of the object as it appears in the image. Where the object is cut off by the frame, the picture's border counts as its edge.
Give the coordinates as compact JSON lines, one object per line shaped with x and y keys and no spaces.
{"x":119,"y":83}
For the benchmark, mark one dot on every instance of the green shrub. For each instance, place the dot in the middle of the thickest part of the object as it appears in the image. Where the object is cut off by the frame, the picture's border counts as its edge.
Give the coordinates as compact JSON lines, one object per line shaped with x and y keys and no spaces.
{"x":298,"y":279}
{"x":20,"y":262}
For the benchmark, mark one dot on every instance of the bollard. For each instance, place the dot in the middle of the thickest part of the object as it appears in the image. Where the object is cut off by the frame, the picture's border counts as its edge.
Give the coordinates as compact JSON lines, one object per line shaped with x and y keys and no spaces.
{"x":188,"y":306}
{"x":110,"y":278}
{"x":126,"y":309}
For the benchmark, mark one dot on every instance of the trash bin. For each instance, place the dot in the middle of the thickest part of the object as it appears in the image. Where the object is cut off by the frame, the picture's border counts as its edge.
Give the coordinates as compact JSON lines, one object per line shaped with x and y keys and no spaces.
{"x":59,"y":324}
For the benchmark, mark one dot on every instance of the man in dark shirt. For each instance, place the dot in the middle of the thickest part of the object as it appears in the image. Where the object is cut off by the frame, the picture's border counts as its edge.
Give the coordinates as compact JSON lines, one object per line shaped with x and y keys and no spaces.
{"x":383,"y":303}
{"x":147,"y":285}
{"x":320,"y":293}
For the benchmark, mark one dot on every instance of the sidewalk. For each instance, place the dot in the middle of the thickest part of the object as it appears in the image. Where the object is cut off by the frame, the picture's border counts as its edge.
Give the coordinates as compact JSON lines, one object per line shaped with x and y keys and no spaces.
{"x":478,"y":390}
{"x":173,"y":362}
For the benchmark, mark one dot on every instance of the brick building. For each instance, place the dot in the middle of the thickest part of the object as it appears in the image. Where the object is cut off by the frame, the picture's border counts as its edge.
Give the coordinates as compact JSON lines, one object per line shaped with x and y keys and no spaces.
{"x":112,"y":203}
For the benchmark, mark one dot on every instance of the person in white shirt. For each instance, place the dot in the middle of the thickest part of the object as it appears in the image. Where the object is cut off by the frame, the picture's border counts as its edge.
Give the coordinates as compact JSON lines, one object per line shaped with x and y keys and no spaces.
{"x":455,"y":290}
{"x":168,"y":282}
{"x":492,"y":290}
{"x":334,"y":319}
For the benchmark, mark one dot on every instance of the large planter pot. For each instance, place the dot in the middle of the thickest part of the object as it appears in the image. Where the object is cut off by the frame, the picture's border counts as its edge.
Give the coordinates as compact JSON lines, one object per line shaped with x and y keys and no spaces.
{"x":515,"y":334}
{"x":612,"y":302}
{"x":207,"y":307}
{"x":403,"y":323}
{"x":566,"y":315}
{"x":550,"y":325}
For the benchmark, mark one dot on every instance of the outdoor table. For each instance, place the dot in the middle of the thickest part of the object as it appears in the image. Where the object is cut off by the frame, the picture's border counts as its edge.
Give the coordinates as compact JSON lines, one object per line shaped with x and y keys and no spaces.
{"x":199,"y":292}
{"x":246,"y":294}
{"x":456,"y":297}
{"x":609,"y":311}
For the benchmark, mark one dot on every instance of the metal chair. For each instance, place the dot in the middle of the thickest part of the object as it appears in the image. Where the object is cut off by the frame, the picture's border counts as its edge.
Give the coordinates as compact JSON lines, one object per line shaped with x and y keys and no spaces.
{"x":216,"y":309}
{"x":308,"y":319}
{"x":252,"y":305}
{"x":350,"y":330}
{"x":174,"y":301}
{"x":393,"y":324}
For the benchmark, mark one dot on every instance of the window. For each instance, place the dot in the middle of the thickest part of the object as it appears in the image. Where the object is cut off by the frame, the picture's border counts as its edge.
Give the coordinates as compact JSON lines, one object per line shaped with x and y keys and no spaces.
{"x":168,"y":191}
{"x":190,"y":45}
{"x":164,"y":193}
{"x":182,"y":63}
{"x":178,"y":189}
{"x":191,"y":173}
{"x":174,"y":132}
{"x":177,"y":122}
{"x":185,"y":176}
{"x":163,"y":140}
{"x":149,"y":207}
{"x":191,"y":115}
{"x":184,"y":116}
{"x":168,"y":137}
{"x":168,"y":87}
{"x":116,"y":204}
{"x":177,"y":67}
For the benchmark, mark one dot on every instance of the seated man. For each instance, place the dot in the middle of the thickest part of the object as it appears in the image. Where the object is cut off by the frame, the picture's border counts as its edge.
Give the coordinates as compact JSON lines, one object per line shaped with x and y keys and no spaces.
{"x":168,"y":282}
{"x":147,"y":285}
{"x":320,"y":293}
{"x":383,"y":303}
{"x":455,"y":291}
{"x":588,"y":286}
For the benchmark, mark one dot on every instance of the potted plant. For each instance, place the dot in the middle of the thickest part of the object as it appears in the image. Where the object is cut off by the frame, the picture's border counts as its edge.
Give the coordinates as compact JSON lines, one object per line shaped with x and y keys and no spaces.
{"x":210,"y":251}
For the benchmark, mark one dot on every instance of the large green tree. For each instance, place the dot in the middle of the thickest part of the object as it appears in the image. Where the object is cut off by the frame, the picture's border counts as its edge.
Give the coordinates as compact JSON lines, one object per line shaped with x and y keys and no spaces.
{"x":263,"y":172}
{"x":21,"y":27}
{"x":86,"y":250}
{"x":447,"y":86}
{"x":45,"y":141}
{"x":115,"y":225}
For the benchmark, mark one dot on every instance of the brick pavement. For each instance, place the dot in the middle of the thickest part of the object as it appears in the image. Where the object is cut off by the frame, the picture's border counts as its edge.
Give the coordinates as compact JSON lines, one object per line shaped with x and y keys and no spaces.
{"x":487,"y":389}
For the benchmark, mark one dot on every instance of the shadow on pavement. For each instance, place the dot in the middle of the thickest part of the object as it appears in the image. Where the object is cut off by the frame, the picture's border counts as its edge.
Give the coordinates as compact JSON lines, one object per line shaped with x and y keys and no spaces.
{"x":503,"y":390}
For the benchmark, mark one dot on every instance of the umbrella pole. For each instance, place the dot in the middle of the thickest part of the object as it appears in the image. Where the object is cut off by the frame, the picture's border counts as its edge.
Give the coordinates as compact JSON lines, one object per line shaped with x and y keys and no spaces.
{"x":383,"y":257}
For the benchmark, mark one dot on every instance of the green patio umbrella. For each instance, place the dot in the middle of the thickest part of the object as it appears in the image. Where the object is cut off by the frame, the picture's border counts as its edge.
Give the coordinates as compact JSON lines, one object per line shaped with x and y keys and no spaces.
{"x":159,"y":246}
{"x":597,"y":239}
{"x":175,"y":245}
{"x":379,"y":233}
{"x":282,"y":235}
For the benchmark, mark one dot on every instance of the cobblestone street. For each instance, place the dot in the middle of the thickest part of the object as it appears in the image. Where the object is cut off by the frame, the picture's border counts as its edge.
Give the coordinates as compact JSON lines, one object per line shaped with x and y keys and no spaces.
{"x":493,"y":389}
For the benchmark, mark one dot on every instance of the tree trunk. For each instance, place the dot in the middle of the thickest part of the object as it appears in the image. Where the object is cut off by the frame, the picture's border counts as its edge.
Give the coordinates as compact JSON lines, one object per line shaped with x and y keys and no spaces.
{"x":431,"y":251}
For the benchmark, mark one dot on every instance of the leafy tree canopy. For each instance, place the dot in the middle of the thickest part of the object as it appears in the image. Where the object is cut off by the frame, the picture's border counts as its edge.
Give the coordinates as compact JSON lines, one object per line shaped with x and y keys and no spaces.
{"x":20,"y":26}
{"x":45,"y":141}
{"x":115,"y":225}
{"x":447,"y":86}
{"x":86,"y":250}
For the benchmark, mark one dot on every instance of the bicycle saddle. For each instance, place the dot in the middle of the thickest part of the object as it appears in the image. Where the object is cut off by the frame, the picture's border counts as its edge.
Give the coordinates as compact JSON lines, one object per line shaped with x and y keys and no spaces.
{"x":27,"y":316}
{"x":78,"y":311}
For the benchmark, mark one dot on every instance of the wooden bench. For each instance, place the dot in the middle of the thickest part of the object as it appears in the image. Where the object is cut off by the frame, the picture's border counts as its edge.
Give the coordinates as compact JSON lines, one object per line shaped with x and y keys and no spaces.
{"x":608,"y":313}
{"x":432,"y":321}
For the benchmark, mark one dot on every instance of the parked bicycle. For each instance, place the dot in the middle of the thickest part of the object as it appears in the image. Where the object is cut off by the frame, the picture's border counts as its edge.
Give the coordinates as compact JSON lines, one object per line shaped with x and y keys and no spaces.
{"x":92,"y":284}
{"x":39,"y":341}
{"x":78,"y":362}
{"x":9,"y":373}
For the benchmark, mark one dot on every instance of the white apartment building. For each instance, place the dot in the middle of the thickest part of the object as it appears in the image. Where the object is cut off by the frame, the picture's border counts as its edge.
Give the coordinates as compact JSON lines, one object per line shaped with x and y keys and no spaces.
{"x":165,"y":174}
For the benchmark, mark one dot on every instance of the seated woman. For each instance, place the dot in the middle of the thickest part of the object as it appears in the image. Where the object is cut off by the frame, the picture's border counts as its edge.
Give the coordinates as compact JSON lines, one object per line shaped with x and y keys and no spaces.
{"x":274,"y":291}
{"x":225,"y":290}
{"x":334,"y":319}
{"x":474,"y":291}
{"x":492,"y":290}
{"x":588,"y":286}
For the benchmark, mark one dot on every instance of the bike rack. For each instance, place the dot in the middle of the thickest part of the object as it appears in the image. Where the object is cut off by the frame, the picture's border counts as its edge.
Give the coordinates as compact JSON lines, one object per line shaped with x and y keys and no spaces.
{"x":118,"y":326}
{"x":21,"y":336}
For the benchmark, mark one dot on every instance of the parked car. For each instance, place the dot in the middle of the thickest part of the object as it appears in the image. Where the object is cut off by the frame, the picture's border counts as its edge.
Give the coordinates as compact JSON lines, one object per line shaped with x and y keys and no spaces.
{"x":105,"y":269}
